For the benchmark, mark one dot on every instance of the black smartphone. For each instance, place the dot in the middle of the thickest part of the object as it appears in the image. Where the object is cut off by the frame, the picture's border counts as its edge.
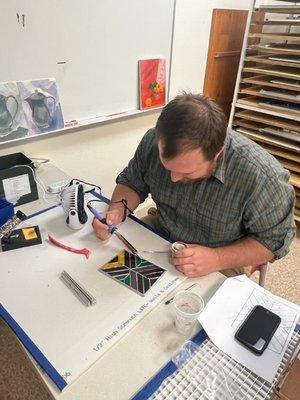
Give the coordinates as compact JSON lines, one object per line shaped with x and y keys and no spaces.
{"x":258,"y":329}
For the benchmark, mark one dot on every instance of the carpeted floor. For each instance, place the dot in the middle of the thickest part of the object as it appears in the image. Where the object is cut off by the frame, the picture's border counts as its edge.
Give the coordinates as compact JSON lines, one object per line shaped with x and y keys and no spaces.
{"x":19,"y":379}
{"x":283,"y":276}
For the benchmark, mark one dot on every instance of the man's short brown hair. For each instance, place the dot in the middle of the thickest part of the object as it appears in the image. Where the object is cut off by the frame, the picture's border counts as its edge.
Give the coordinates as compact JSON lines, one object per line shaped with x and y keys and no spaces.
{"x":191,"y":121}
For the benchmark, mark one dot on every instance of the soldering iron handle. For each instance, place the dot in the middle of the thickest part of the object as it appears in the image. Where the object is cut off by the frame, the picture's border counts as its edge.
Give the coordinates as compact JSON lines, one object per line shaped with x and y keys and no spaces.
{"x":101,"y":217}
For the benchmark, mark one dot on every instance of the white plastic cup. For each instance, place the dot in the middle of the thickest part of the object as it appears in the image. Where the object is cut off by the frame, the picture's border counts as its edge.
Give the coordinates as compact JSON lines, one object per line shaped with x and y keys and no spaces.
{"x":187,"y":308}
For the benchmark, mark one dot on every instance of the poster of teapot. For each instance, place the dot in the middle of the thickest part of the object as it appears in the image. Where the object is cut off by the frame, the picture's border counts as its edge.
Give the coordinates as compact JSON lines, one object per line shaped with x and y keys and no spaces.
{"x":12,"y":119}
{"x":41,"y":105}
{"x":29,"y":108}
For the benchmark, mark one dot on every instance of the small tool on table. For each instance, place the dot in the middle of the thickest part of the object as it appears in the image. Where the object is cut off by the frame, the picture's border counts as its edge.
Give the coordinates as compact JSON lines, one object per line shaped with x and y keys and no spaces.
{"x":188,"y":288}
{"x":86,"y":252}
{"x":7,"y":228}
{"x":112,"y":228}
{"x":82,"y":294}
{"x":24,"y":237}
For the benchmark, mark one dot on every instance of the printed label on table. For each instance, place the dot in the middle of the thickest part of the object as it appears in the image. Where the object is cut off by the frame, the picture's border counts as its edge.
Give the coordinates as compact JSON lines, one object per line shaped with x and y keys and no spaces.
{"x":16,"y":187}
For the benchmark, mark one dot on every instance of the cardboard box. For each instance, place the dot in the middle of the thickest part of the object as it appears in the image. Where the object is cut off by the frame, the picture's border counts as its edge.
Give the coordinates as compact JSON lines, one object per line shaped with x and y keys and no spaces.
{"x":289,"y":388}
{"x":17,"y":183}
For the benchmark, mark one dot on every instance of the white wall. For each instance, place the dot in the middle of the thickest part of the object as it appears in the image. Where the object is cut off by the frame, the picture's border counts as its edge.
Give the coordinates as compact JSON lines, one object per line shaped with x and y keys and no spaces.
{"x":191,"y":40}
{"x":97,"y":154}
{"x":94,"y":154}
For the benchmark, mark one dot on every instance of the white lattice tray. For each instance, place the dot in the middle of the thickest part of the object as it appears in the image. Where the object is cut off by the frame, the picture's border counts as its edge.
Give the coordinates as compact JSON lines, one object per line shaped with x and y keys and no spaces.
{"x":212,"y":375}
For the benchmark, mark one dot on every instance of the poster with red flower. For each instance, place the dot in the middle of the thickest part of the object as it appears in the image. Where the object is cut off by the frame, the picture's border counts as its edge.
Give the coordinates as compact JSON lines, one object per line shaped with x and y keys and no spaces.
{"x":152,"y":78}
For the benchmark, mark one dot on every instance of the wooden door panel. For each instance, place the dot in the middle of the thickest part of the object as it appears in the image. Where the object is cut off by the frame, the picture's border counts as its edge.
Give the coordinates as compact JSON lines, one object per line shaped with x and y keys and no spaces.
{"x":225,"y":44}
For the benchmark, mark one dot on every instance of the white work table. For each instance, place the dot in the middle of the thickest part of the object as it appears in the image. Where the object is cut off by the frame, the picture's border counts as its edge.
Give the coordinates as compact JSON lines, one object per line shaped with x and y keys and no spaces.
{"x":141,"y":353}
{"x":126,"y":367}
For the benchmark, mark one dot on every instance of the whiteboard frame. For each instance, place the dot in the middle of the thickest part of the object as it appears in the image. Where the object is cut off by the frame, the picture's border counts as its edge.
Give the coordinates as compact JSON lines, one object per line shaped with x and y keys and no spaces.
{"x":85,"y":123}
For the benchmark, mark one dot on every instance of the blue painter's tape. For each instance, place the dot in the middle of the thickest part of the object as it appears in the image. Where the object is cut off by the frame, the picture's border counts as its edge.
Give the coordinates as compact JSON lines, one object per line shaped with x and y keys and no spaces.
{"x":166,"y":371}
{"x":200,"y":337}
{"x":6,"y":211}
{"x":42,"y":211}
{"x":33,"y":349}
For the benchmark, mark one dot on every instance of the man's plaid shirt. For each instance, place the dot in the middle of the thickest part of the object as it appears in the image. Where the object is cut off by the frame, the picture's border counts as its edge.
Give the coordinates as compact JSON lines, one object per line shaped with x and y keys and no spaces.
{"x":247,"y":196}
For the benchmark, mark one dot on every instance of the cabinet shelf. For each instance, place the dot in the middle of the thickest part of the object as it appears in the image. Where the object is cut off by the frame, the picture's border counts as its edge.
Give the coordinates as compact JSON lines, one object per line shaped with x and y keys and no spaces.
{"x":292,"y":166}
{"x":269,"y":81}
{"x":281,"y":22}
{"x":259,"y":137}
{"x":280,"y":9}
{"x":282,"y":72}
{"x":266,"y":104}
{"x":269,"y":120}
{"x":277,"y":94}
{"x":295,"y":180}
{"x":276,"y":59}
{"x":276,"y":36}
{"x":276,"y":132}
{"x":278,"y":48}
{"x":287,"y":155}
{"x":255,"y":104}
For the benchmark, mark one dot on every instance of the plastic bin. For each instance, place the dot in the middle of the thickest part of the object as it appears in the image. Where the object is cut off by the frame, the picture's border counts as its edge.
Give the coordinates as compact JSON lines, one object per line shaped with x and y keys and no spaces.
{"x":6,"y":211}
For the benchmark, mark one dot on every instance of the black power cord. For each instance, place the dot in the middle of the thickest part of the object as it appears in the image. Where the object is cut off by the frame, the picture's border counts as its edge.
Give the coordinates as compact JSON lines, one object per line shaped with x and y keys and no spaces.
{"x":123,"y":201}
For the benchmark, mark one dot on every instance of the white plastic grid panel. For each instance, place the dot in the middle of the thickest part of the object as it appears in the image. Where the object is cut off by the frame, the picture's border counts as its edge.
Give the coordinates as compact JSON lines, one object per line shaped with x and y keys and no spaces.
{"x":210,"y":374}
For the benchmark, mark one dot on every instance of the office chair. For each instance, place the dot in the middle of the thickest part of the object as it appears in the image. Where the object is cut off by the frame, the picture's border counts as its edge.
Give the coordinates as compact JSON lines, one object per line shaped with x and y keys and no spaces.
{"x":262,"y":268}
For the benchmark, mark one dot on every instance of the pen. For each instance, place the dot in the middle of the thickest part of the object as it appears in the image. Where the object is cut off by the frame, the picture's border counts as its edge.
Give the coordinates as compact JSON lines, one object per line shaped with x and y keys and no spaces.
{"x":111,"y":228}
{"x":172,"y":298}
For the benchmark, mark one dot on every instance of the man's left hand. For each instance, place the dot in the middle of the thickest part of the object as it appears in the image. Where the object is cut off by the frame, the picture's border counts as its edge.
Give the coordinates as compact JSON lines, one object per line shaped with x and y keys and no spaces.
{"x":196,"y":260}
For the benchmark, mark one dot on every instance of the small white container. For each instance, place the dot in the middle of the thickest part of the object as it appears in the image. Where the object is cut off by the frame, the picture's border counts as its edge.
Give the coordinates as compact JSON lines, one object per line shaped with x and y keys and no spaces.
{"x":187,"y":308}
{"x":177,"y":246}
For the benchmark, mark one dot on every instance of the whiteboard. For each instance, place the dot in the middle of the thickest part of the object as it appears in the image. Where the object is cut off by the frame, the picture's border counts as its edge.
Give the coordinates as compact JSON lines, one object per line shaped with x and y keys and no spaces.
{"x":92,"y":48}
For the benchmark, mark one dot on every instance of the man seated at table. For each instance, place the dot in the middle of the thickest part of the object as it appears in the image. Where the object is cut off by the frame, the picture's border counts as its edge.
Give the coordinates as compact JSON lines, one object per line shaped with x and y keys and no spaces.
{"x":217,"y":191}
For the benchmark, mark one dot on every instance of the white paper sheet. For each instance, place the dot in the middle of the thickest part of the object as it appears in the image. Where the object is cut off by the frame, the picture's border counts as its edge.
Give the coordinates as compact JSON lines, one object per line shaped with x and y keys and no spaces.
{"x":229,"y":307}
{"x":16,"y":187}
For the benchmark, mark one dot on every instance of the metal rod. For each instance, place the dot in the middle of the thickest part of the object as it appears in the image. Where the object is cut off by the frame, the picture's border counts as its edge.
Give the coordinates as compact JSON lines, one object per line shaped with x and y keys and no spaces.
{"x":127,"y":244}
{"x":83,"y":295}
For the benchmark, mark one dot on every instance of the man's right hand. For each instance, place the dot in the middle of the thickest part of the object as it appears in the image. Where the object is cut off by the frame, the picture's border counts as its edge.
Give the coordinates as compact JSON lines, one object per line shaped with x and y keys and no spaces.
{"x":113,"y":217}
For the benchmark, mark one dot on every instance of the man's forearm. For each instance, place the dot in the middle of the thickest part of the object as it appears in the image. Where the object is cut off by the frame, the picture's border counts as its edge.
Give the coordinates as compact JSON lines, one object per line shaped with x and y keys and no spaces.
{"x":244,"y":253}
{"x":124,"y":192}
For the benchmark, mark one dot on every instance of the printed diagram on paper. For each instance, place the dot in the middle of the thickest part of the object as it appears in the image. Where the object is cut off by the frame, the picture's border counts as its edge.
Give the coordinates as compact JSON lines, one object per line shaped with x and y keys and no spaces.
{"x":230,"y":306}
{"x":288,"y":316}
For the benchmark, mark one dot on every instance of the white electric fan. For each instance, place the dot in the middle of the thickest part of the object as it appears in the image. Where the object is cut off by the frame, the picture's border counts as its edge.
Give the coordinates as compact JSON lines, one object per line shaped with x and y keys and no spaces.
{"x":72,"y":198}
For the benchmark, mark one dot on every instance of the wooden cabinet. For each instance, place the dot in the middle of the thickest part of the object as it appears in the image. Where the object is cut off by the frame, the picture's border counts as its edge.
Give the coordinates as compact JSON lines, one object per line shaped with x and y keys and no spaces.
{"x":224,"y":52}
{"x":266,"y":105}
